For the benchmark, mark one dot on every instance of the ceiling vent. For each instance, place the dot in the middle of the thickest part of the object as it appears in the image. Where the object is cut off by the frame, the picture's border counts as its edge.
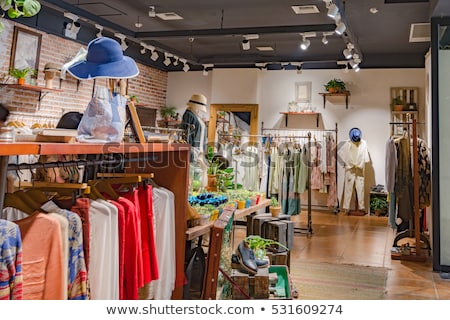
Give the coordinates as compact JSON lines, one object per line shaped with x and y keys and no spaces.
{"x":308,"y":9}
{"x":169,"y":16}
{"x":420,"y":32}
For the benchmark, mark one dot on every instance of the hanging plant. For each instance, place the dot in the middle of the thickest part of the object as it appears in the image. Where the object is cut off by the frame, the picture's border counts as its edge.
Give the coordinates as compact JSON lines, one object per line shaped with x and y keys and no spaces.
{"x":19,"y":8}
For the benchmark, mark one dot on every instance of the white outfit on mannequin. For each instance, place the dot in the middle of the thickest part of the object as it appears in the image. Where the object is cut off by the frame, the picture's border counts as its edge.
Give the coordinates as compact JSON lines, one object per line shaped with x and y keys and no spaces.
{"x":355,"y":155}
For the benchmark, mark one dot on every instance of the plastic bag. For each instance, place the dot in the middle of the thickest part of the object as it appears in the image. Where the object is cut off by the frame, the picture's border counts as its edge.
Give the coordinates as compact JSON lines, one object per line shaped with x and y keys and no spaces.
{"x":104,"y":118}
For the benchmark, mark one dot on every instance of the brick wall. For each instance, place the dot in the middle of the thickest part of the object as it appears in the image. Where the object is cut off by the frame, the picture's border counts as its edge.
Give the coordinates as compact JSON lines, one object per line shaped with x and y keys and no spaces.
{"x":150,"y":85}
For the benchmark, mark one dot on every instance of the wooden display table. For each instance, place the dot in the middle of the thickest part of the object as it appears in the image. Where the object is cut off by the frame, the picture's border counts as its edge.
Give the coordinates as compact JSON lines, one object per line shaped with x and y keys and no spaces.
{"x":197,"y":231}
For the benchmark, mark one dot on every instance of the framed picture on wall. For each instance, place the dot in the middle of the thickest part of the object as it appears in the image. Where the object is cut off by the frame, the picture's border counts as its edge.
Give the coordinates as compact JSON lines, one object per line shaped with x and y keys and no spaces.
{"x":303,"y":91}
{"x":26,"y":48}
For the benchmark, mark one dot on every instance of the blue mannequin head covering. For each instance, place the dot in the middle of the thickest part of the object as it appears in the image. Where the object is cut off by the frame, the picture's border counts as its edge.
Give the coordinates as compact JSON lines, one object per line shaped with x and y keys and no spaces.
{"x":355,"y":134}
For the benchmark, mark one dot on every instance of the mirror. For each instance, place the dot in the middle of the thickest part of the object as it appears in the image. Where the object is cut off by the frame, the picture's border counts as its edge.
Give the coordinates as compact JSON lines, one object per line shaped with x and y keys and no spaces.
{"x":247,"y":114}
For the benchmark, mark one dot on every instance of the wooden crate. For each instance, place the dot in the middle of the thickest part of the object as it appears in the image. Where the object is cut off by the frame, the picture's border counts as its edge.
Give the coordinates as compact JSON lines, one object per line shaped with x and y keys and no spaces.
{"x":257,"y":286}
{"x":281,"y":231}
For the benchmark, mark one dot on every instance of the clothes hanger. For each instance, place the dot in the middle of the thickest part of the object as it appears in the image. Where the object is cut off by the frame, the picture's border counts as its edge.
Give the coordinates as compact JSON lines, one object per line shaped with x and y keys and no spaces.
{"x":124,"y":175}
{"x":14,"y":201}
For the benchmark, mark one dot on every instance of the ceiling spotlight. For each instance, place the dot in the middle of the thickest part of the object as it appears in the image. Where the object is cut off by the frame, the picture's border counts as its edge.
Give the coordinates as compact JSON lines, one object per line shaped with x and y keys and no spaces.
{"x":100,"y":29}
{"x":71,"y":16}
{"x":245,"y":44}
{"x":175,"y":62}
{"x":354,"y":65}
{"x":305,"y":43}
{"x":340,"y":28}
{"x":151,"y":11}
{"x":324,"y":39}
{"x":333,"y":10}
{"x":138,"y":24}
{"x":154,"y":56}
{"x":144,"y":47}
{"x":122,"y":38}
{"x":261,"y":65}
{"x":186,"y":67}
{"x":167,"y":59}
{"x":373,"y":10}
{"x":71,"y":29}
{"x":347,"y":53}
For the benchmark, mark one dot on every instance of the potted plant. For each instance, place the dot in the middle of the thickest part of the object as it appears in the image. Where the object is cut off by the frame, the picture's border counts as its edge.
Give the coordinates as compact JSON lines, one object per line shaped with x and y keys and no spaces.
{"x":397,"y":104}
{"x":259,"y":245}
{"x":167,"y":112}
{"x":378,"y":205}
{"x":134,"y":98}
{"x":21,"y":73}
{"x":335,"y":86}
{"x":274,"y":208}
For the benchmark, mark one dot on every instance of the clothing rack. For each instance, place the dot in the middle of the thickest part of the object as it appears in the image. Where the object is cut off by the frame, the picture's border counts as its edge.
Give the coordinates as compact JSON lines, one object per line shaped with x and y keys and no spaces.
{"x":83,"y":163}
{"x":414,"y":224}
{"x":335,"y":131}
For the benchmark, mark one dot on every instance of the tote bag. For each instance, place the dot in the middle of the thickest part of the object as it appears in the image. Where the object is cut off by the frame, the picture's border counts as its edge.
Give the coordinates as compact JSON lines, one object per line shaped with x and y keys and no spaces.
{"x":104,"y":118}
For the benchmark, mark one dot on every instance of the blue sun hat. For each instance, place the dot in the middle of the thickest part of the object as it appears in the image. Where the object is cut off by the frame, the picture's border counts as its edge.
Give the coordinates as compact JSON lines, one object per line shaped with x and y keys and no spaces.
{"x":355,"y":134}
{"x":104,"y":59}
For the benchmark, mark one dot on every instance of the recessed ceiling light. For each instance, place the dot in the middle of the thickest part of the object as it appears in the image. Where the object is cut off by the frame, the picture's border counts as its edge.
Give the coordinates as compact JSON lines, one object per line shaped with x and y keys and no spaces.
{"x":373,"y":10}
{"x":169,"y":16}
{"x":264,"y":48}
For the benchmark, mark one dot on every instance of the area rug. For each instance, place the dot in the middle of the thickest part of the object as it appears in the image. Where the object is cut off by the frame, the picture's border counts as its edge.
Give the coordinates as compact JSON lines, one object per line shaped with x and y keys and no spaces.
{"x":328,"y":281}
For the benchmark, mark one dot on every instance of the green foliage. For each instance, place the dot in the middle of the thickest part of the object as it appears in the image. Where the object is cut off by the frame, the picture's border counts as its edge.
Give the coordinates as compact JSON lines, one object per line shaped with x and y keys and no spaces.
{"x":274,"y":202}
{"x":378,"y":204}
{"x":167,"y":111}
{"x":337,"y":84}
{"x":20,"y":8}
{"x":397,"y":101}
{"x":21,"y":73}
{"x":134,"y":97}
{"x":259,"y":243}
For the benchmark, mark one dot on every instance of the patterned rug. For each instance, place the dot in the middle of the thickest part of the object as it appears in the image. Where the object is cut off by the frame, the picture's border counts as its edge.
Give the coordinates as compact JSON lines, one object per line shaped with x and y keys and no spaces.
{"x":327,"y":281}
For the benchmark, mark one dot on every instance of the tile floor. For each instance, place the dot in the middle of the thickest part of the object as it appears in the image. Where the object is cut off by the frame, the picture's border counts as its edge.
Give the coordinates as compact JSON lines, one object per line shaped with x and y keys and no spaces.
{"x":366,"y":240}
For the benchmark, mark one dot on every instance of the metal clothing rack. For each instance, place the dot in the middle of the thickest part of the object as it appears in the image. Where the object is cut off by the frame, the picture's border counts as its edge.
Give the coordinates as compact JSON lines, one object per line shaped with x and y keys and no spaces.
{"x":308,"y":230}
{"x":414,"y":224}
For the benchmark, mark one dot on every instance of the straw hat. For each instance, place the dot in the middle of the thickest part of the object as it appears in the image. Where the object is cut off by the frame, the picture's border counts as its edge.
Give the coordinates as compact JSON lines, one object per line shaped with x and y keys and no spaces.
{"x":198,"y":102}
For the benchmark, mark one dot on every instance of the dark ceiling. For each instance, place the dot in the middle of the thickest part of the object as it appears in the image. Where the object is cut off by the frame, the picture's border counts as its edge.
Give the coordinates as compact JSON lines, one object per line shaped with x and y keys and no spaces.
{"x":211,"y":32}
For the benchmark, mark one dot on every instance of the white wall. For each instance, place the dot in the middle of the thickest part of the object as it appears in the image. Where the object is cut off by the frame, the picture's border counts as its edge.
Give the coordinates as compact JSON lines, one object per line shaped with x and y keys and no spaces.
{"x":368,"y":106}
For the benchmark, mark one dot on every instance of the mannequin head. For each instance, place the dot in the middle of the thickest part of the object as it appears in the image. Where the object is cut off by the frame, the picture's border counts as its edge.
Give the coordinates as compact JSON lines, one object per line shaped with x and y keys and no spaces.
{"x":197,"y":103}
{"x":355,"y":135}
{"x":50,"y":71}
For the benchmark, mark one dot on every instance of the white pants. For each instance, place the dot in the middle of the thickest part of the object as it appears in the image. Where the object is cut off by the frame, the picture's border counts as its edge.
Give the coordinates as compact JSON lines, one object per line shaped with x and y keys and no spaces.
{"x":354,"y":179}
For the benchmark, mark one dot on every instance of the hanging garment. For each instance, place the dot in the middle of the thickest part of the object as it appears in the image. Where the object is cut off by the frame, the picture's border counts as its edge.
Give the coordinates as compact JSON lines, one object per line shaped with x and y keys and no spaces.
{"x":81,"y":208}
{"x":42,"y":258}
{"x":149,"y":256}
{"x":331,"y":169}
{"x":164,"y":215}
{"x":290,"y":203}
{"x":316,"y":174}
{"x":404,"y":181}
{"x":104,"y":253}
{"x":121,"y":230}
{"x":11,"y":278}
{"x":133,"y":268}
{"x":354,"y":155}
{"x":274,"y":175}
{"x":424,"y":174}
{"x":250,"y":164}
{"x":301,"y":175}
{"x":64,"y":226}
{"x":76,"y":265}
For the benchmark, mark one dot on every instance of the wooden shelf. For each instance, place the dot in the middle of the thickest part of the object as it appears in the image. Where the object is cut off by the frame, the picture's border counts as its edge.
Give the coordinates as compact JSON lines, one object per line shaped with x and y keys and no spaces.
{"x":43,"y":91}
{"x":287,"y":114}
{"x":343,"y":94}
